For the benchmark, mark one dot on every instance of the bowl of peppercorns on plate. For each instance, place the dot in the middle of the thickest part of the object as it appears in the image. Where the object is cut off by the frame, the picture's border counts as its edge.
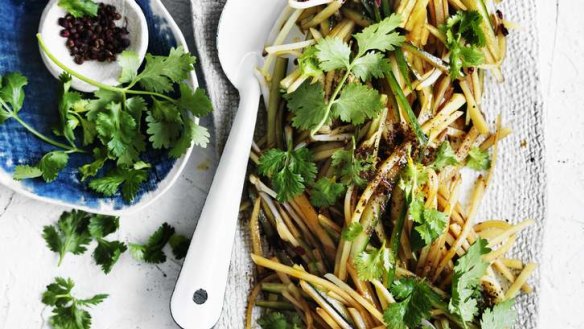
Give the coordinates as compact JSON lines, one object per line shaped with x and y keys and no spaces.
{"x":91,"y":39}
{"x":113,"y":148}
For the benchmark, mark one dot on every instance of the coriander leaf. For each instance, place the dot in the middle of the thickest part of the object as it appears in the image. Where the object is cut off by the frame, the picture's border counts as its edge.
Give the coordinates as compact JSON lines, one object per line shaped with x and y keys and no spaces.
{"x":95,"y":300}
{"x":52,"y":163}
{"x":130,"y":63}
{"x":413,"y":176}
{"x":416,"y":208}
{"x":26,"y":172}
{"x":101,"y":226}
{"x":109,"y":184}
{"x":307,"y":104}
{"x":136,"y":106}
{"x":444,"y":157}
{"x":151,"y":252}
{"x":468,"y":271}
{"x":12,"y":91}
{"x":432,"y":225}
{"x":350,"y":168}
{"x":68,"y":311}
{"x":133,"y":179}
{"x":58,"y":293}
{"x":501,"y":316}
{"x":326,"y":192}
{"x":309,"y":65}
{"x":179,"y":64}
{"x":470,"y":28}
{"x":371,"y":65}
{"x":79,"y":8}
{"x":129,"y":179}
{"x":193,"y":134}
{"x":357,"y":103}
{"x":471,"y":56}
{"x":107,"y":253}
{"x":352,"y":231}
{"x":195,"y":102}
{"x":466,"y":24}
{"x":333,"y":54}
{"x":103,"y":98}
{"x":161,"y":72}
{"x":67,"y":102}
{"x":289,"y":171}
{"x":478,"y":160}
{"x":70,"y":234}
{"x":180,"y":245}
{"x":414,"y":300}
{"x":373,"y":264}
{"x":165,"y":111}
{"x":91,"y":169}
{"x":462,"y":29}
{"x":272,"y":161}
{"x":117,"y":129}
{"x":152,"y":78}
{"x":163,"y":134}
{"x":381,"y":36}
{"x":394,"y":314}
{"x":277,"y":320}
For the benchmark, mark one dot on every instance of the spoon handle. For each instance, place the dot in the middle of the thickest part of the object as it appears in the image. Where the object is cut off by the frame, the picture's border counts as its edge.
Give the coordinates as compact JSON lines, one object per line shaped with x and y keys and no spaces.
{"x":198,"y":296}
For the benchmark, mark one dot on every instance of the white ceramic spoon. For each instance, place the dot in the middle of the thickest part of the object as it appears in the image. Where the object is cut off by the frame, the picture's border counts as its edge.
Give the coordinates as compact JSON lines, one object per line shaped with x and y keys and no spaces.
{"x":103,"y":72}
{"x":198,"y":296}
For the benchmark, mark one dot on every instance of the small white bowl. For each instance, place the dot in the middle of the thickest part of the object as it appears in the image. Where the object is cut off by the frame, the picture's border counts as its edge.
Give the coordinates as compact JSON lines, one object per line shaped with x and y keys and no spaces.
{"x":103,"y":72}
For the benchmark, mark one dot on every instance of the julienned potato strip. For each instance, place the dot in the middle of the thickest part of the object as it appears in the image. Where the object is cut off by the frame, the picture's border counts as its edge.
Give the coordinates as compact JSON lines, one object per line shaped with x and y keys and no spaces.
{"x":341,"y":265}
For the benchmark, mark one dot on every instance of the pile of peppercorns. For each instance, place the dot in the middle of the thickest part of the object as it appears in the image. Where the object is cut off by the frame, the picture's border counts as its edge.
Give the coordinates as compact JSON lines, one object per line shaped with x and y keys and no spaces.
{"x":95,"y":38}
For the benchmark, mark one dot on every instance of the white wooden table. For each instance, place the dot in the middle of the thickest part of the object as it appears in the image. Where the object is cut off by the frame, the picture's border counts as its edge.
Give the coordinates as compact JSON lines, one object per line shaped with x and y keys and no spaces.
{"x":140,"y":293}
{"x":562,"y":71}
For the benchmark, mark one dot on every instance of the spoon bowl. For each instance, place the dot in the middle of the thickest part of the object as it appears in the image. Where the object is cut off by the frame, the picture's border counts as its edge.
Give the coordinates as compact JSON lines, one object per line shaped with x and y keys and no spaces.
{"x":198,"y":296}
{"x":104,"y":72}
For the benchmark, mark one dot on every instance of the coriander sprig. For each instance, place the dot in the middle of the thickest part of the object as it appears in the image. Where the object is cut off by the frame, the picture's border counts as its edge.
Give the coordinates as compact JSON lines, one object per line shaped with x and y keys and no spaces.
{"x":11,"y":101}
{"x":111,"y":121}
{"x":464,"y":38}
{"x":69,"y":312}
{"x":351,"y":101}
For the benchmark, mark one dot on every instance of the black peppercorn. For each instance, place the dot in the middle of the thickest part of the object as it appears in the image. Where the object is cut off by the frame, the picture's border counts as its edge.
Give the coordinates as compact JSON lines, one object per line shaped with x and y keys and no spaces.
{"x":95,"y":38}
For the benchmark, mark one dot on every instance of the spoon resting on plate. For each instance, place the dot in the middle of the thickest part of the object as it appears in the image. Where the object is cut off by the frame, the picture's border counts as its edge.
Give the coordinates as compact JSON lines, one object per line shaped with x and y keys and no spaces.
{"x":198,"y":295}
{"x":107,"y":73}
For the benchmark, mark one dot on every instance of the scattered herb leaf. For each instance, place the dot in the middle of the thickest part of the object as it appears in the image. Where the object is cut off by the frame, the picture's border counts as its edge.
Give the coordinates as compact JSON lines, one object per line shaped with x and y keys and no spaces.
{"x":69,"y":312}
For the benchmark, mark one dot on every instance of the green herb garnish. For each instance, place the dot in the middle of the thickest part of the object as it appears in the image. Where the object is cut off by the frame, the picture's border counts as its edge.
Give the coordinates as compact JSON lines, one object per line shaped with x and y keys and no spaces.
{"x":467,"y":274}
{"x":350,"y":101}
{"x":414,"y":300}
{"x":464,"y":38}
{"x":80,"y":8}
{"x":69,"y":312}
{"x":111,"y":121}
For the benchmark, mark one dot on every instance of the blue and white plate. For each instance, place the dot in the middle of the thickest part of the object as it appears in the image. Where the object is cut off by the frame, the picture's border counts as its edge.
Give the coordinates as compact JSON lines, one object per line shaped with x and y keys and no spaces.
{"x":19,"y":52}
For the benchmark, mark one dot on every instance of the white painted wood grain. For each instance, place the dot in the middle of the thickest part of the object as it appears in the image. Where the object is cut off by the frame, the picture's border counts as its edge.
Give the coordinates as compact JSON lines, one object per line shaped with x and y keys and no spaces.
{"x":562,"y":70}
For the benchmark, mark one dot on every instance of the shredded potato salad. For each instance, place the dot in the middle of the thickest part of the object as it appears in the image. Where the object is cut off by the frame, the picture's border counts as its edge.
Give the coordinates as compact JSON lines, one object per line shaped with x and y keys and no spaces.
{"x":356,"y":212}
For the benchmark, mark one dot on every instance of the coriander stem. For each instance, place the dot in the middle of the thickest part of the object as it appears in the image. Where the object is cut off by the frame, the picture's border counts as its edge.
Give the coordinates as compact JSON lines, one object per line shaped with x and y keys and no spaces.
{"x":332,"y":101}
{"x":385,"y":8}
{"x":68,"y":70}
{"x":93,"y":82}
{"x":275,"y":98}
{"x":141,"y":92}
{"x":44,"y":138}
{"x":405,"y":105}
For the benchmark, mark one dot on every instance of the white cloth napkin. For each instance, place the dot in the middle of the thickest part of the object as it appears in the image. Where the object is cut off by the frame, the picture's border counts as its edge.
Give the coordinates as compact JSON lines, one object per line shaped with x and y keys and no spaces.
{"x":517,"y":190}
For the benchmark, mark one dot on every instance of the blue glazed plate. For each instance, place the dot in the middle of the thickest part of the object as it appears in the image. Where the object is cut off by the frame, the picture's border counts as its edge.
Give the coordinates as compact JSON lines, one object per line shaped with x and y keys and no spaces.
{"x":19,"y":52}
